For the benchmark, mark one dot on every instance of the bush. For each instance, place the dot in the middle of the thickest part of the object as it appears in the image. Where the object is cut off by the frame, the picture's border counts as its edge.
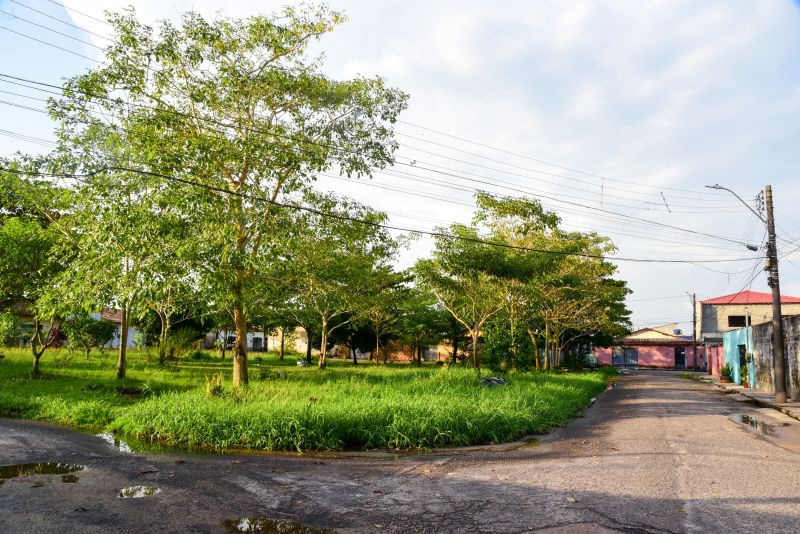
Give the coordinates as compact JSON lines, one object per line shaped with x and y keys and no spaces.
{"x":726,"y":371}
{"x":86,"y":333}
{"x":10,"y":329}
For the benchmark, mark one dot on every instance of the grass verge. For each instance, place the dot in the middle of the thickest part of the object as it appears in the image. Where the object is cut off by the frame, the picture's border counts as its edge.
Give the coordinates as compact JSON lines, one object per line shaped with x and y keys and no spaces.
{"x":292,"y":408}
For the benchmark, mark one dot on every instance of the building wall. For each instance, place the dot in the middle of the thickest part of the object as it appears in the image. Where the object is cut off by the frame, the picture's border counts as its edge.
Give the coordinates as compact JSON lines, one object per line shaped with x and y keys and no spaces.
{"x":659,"y":356}
{"x":714,"y":317}
{"x":764,"y":372}
{"x":731,"y":342}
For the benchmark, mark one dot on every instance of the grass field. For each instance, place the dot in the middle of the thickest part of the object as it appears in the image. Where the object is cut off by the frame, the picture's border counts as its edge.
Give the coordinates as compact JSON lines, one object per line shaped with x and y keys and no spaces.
{"x":287,"y":407}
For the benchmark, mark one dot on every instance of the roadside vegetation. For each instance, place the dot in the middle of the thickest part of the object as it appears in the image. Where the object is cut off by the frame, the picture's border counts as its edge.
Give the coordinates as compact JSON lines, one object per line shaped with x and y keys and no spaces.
{"x":287,"y":407}
{"x":181,"y":200}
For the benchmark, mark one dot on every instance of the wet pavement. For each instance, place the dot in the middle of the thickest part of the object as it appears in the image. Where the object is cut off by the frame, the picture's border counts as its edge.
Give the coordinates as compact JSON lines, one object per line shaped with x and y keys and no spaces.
{"x":657,"y":453}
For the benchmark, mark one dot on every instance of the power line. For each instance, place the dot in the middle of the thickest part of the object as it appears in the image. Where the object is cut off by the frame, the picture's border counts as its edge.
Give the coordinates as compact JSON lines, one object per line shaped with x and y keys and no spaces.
{"x":50,"y":29}
{"x":79,"y":12}
{"x":626,"y":216}
{"x":333,"y":147}
{"x":321,"y":213}
{"x":50,"y":44}
{"x":549,"y":163}
{"x":62,"y":21}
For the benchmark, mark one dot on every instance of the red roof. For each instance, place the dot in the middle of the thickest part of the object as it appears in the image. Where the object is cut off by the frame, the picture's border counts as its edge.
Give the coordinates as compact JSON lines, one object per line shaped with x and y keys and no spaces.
{"x":750,"y":297}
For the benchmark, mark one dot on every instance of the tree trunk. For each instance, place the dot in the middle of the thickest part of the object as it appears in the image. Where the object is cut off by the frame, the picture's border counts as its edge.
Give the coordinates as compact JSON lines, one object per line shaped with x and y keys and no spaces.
{"x":240,"y":377}
{"x":122,"y":362}
{"x":224,"y":343}
{"x":475,"y":334}
{"x":283,"y":341}
{"x":378,"y":348}
{"x":323,"y":346}
{"x":455,"y":347}
{"x":535,"y":348}
{"x":162,"y":338}
{"x":37,"y":347}
{"x":355,"y":358}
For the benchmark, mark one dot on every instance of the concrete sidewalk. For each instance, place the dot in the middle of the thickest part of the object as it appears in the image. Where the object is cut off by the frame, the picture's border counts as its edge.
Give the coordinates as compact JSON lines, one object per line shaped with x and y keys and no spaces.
{"x":791,"y":408}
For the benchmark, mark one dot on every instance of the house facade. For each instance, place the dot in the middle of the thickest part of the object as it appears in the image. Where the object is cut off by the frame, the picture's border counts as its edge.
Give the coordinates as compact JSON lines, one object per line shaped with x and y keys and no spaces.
{"x":661,"y":347}
{"x":716,"y":316}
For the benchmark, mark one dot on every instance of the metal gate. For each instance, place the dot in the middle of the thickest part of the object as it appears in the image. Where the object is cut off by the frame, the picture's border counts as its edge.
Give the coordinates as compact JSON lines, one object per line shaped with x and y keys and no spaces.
{"x":625,"y":357}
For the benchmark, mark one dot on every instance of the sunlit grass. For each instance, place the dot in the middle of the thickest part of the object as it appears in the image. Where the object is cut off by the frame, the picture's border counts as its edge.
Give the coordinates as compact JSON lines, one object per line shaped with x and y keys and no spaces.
{"x":287,"y":407}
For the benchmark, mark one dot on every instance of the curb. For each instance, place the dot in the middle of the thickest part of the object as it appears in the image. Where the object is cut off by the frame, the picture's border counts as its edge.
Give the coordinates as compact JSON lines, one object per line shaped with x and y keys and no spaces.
{"x":790,"y":409}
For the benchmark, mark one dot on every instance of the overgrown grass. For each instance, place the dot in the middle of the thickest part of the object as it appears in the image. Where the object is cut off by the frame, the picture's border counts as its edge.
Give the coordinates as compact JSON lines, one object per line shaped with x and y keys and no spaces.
{"x":689,"y":376}
{"x":293,"y":408}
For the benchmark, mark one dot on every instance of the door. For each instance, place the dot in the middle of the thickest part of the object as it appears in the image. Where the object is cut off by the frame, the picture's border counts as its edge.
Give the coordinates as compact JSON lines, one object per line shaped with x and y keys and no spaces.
{"x":256,"y":344}
{"x":680,"y":357}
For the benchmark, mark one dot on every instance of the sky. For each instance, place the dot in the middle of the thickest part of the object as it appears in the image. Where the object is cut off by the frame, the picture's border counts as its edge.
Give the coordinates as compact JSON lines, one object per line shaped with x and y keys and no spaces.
{"x":616,"y":115}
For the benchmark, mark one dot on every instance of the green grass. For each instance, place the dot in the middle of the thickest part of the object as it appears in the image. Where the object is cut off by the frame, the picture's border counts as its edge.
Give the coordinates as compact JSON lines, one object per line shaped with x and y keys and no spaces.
{"x":689,"y":376}
{"x":342,"y":407}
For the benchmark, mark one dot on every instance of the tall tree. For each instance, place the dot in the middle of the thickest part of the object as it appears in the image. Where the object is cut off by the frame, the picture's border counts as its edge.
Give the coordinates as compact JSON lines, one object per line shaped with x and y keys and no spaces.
{"x":238,"y":106}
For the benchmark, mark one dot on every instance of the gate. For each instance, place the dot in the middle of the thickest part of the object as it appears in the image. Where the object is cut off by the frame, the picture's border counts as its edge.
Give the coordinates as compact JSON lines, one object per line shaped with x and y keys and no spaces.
{"x":624,"y":357}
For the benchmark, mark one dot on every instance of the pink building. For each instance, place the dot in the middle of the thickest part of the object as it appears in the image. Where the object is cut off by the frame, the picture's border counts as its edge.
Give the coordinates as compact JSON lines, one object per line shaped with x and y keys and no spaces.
{"x":658,"y":347}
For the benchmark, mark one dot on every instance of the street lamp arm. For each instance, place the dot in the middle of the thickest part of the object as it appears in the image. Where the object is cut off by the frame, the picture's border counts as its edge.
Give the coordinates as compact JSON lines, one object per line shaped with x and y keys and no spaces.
{"x":717,"y":186}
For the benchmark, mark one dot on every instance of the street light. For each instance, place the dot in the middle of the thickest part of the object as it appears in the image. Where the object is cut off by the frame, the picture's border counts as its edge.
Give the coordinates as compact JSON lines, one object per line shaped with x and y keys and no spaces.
{"x":774,"y":284}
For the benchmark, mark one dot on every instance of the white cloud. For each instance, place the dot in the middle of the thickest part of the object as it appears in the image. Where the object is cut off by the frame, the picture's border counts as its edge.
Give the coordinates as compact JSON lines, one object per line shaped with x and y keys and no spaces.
{"x":667,"y":93}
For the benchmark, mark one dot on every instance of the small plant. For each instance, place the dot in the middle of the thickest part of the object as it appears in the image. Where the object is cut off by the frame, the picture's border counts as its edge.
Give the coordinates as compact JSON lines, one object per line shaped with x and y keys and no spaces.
{"x":726,"y":371}
{"x":214,"y":386}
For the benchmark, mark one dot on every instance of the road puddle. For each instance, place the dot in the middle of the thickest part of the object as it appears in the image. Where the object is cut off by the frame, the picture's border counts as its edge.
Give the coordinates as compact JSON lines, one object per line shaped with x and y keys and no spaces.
{"x":115,"y":442}
{"x":41,"y":468}
{"x":266,"y":525}
{"x":137,"y":492}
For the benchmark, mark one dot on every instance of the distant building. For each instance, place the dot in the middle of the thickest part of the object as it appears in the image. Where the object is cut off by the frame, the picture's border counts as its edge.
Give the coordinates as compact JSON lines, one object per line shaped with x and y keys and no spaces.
{"x":719,"y":315}
{"x":663,"y":347}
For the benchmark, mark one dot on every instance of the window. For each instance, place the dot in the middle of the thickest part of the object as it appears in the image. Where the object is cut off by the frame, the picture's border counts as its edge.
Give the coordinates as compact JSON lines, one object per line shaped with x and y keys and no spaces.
{"x":737,"y":321}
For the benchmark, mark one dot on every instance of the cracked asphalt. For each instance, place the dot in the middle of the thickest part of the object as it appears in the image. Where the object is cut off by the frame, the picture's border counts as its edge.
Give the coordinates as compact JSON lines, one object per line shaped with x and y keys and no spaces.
{"x":656,"y":454}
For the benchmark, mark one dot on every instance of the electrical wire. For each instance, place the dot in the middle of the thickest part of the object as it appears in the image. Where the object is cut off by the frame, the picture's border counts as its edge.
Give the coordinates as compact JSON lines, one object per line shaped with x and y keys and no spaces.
{"x":321,"y":213}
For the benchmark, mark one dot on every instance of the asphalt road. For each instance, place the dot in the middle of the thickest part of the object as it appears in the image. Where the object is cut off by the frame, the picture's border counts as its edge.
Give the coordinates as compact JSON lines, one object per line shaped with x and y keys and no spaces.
{"x":655,"y":454}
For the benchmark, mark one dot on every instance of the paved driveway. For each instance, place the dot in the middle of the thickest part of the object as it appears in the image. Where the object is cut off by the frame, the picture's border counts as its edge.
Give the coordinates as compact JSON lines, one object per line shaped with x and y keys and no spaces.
{"x":655,"y":454}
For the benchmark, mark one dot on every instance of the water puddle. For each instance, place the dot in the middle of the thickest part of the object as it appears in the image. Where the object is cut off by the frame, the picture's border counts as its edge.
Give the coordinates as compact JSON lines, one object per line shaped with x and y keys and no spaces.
{"x":266,"y":525}
{"x":137,"y":492}
{"x":41,"y":468}
{"x":115,"y":442}
{"x":758,"y":424}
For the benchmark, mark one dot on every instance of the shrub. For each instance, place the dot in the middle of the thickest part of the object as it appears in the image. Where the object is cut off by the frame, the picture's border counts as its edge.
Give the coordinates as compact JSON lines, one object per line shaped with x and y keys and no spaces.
{"x":10,"y":329}
{"x":86,"y":333}
{"x":726,"y":370}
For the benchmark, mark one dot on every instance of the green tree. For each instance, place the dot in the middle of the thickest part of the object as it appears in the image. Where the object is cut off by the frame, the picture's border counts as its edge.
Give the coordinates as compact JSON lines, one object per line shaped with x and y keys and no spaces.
{"x":86,"y":333}
{"x":340,"y":265}
{"x":463,"y":275}
{"x":423,"y":322}
{"x":238,"y":106}
{"x":28,"y":264}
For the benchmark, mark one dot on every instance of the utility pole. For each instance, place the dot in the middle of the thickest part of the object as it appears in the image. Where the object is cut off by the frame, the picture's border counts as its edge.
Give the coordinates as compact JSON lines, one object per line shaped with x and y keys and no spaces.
{"x":774,"y":283}
{"x":694,"y":331}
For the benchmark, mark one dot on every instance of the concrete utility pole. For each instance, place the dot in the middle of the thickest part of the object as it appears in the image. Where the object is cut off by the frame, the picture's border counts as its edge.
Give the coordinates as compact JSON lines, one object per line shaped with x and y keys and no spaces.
{"x":774,"y":283}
